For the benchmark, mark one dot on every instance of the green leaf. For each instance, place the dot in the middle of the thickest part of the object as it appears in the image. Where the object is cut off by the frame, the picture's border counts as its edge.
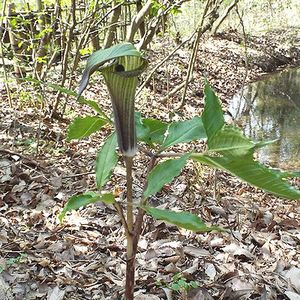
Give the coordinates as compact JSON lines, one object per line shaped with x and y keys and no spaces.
{"x":184,"y":131}
{"x":142,"y":131}
{"x":83,"y":127}
{"x":94,"y":105}
{"x":100,"y":57}
{"x":212,"y":116}
{"x":106,"y":160}
{"x":193,"y":284}
{"x":164,"y":173}
{"x":252,"y":172}
{"x":150,"y":131}
{"x":230,"y":141}
{"x":81,"y":200}
{"x":51,"y":85}
{"x":181,"y":219}
{"x":157,"y":130}
{"x":175,"y":287}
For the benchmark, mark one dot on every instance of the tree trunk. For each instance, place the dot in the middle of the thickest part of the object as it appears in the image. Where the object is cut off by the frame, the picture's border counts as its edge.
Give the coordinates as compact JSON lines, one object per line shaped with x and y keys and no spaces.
{"x":224,"y":16}
{"x":18,"y":70}
{"x":112,"y":30}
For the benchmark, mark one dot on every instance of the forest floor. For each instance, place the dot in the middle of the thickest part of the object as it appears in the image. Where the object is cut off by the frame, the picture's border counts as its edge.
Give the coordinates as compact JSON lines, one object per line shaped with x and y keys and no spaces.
{"x":84,"y":257}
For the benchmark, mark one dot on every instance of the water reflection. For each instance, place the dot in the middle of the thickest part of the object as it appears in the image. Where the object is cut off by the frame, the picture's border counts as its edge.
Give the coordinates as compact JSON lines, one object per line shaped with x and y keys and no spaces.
{"x":270,"y":109}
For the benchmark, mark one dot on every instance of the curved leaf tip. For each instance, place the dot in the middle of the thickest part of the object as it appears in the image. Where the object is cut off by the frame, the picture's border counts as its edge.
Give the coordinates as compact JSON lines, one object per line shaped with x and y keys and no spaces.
{"x":100,"y":57}
{"x":184,"y":220}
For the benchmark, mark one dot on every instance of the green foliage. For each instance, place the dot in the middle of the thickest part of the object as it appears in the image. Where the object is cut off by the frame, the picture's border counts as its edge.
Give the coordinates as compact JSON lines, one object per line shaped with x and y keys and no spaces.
{"x":252,"y":172}
{"x":42,"y":33}
{"x":81,"y":200}
{"x":184,"y":220}
{"x":230,"y":141}
{"x":150,"y":131}
{"x":106,"y":161}
{"x":237,"y":152}
{"x":183,"y":132}
{"x":227,"y":149}
{"x":176,"y":11}
{"x":94,"y":105}
{"x":155,"y":8}
{"x":84,"y":127}
{"x":212,"y":116}
{"x":164,"y":173}
{"x":12,"y":261}
{"x":180,"y":283}
{"x":86,"y":50}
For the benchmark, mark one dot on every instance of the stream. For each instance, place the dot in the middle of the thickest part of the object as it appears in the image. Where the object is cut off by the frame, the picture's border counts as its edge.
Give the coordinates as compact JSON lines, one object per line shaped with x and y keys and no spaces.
{"x":270,"y":109}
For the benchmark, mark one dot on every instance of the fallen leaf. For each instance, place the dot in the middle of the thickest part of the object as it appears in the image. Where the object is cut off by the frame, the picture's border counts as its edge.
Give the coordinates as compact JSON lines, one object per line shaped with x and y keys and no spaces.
{"x":146,"y":297}
{"x":20,"y":187}
{"x":195,"y":251}
{"x":293,"y":274}
{"x":5,"y":293}
{"x":292,"y":295}
{"x":210,"y":271}
{"x":199,"y":294}
{"x":237,"y":250}
{"x":56,"y":294}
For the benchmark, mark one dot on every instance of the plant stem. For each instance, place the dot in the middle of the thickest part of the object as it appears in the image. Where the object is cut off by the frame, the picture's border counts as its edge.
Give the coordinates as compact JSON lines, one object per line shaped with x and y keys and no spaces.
{"x":129,"y":163}
{"x":130,"y":263}
{"x":140,"y":215}
{"x":134,"y":230}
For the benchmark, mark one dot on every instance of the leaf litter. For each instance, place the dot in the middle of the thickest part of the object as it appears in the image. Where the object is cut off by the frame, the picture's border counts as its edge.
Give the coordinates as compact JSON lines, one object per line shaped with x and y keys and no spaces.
{"x":84,"y":257}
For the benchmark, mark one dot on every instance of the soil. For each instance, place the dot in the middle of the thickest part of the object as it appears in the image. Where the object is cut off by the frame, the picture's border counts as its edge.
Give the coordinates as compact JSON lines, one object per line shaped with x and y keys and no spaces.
{"x":84,"y":257}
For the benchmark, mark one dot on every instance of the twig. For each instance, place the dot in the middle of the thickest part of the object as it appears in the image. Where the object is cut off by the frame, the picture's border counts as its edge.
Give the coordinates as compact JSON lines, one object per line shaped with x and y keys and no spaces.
{"x":140,"y":216}
{"x":5,"y":76}
{"x":36,"y":164}
{"x":194,"y":52}
{"x":156,"y":155}
{"x":175,"y":90}
{"x":245,"y":46}
{"x":137,"y":20}
{"x":77,"y":175}
{"x":224,"y":16}
{"x":163,"y":61}
{"x":67,"y":51}
{"x":2,"y":55}
{"x":246,"y":56}
{"x":110,"y":35}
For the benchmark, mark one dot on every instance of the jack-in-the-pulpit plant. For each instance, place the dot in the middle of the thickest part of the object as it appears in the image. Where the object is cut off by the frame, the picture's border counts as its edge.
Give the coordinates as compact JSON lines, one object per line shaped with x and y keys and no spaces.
{"x":227,"y":149}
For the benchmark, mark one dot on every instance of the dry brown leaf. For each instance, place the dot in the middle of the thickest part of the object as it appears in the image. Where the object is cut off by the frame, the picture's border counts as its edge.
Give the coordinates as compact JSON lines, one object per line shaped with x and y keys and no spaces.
{"x":199,"y":294}
{"x":146,"y":297}
{"x":292,"y":295}
{"x":210,"y":271}
{"x":237,"y":250}
{"x":195,"y":251}
{"x":5,"y":292}
{"x":5,"y":170}
{"x":293,"y":274}
{"x":56,"y":294}
{"x":19,"y":187}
